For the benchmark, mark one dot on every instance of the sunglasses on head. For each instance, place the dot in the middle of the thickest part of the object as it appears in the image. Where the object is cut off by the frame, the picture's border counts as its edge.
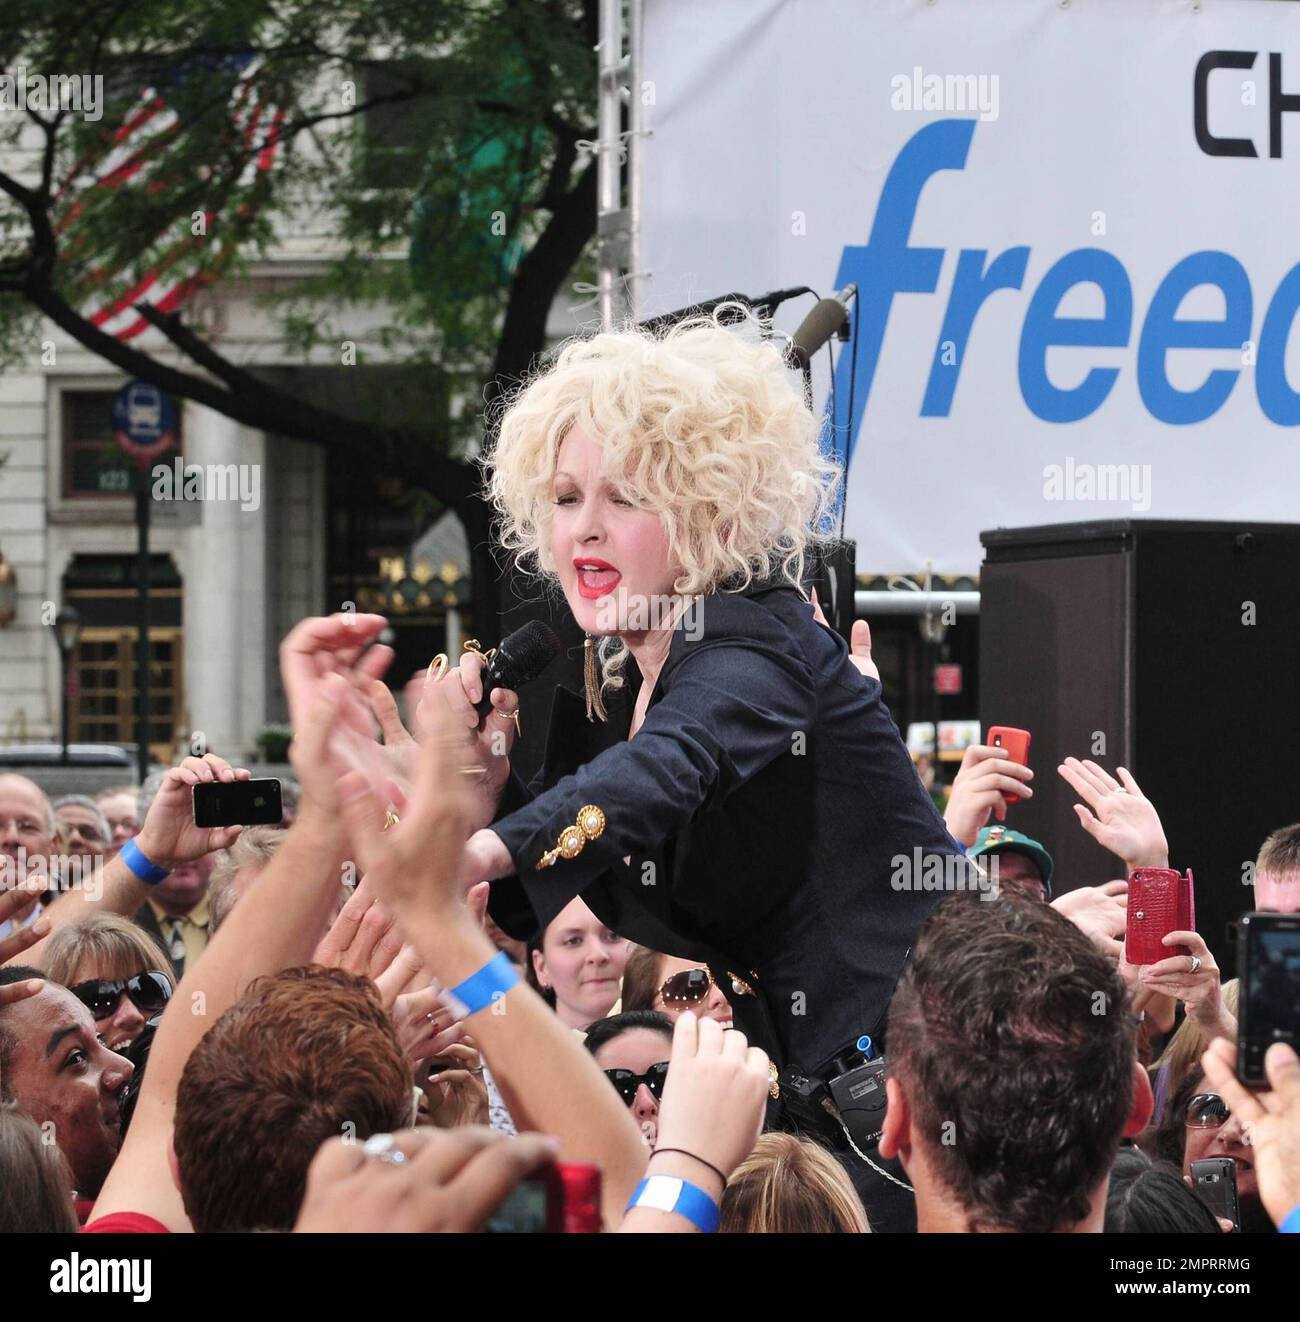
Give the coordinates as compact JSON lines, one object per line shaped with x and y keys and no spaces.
{"x":1207,"y":1110}
{"x":627,"y":1083}
{"x":149,"y":993}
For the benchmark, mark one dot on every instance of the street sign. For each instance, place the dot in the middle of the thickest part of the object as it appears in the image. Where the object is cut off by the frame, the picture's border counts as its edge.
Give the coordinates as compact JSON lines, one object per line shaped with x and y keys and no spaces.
{"x":144,"y":421}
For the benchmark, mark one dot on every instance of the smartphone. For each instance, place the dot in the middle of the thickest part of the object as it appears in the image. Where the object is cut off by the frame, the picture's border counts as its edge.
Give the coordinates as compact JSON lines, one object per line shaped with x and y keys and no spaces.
{"x":1215,"y":1181}
{"x":562,"y":1199}
{"x":1015,"y":748}
{"x":238,"y":803}
{"x":1269,"y":1008}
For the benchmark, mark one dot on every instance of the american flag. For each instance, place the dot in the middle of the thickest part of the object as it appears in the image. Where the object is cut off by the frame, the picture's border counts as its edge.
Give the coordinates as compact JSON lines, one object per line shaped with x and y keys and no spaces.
{"x":137,"y":155}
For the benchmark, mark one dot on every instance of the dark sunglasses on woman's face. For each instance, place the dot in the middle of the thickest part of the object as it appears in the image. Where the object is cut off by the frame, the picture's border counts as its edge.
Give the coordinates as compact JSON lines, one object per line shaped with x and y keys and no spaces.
{"x":627,"y":1083}
{"x":149,"y":992}
{"x":689,"y":987}
{"x":1207,"y":1110}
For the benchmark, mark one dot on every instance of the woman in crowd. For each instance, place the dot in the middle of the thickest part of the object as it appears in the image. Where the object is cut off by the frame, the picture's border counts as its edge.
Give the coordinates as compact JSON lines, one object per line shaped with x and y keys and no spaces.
{"x":35,"y":1182}
{"x":578,"y":965}
{"x":1193,"y":1121}
{"x":633,"y":1049}
{"x":791,"y":1185}
{"x":653,"y":981}
{"x":705,"y":794}
{"x":114,"y":968}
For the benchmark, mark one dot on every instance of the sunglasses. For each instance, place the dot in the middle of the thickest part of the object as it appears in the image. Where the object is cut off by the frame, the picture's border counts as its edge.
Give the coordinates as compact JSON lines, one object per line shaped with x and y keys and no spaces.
{"x":627,"y":1083}
{"x":149,"y":993}
{"x":1207,"y":1110}
{"x":689,"y":987}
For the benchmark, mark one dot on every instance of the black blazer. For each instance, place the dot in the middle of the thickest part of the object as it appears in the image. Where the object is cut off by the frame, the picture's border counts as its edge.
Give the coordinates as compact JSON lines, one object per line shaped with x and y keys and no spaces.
{"x":765,"y":802}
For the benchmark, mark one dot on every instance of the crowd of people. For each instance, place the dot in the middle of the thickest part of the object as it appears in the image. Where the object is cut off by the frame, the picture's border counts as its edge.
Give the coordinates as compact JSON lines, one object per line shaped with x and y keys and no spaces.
{"x":276,"y":1036}
{"x":692,"y":975}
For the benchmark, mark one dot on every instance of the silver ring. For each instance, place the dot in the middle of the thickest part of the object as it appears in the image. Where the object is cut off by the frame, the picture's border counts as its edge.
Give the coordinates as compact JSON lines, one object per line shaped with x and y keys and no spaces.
{"x":1121,"y":790}
{"x":1196,"y":964}
{"x":383,"y":1147}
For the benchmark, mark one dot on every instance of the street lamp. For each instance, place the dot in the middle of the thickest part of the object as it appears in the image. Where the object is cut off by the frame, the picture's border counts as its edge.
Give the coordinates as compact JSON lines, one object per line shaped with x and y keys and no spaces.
{"x":66,"y":626}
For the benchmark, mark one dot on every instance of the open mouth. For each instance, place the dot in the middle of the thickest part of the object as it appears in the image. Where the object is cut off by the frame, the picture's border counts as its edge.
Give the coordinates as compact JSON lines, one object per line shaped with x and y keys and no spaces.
{"x":596,"y":578}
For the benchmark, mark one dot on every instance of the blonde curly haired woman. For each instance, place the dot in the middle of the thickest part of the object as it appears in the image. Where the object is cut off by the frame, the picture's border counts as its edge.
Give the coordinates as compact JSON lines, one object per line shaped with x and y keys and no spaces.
{"x":729,"y":789}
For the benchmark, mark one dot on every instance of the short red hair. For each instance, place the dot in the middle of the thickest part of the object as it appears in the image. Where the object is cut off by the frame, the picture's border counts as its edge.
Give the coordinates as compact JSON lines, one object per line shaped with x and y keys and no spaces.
{"x":303,"y":1056}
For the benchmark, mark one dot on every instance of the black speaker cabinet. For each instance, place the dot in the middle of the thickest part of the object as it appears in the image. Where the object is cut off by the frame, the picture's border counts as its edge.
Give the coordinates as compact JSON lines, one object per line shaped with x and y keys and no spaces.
{"x":1171,"y":649}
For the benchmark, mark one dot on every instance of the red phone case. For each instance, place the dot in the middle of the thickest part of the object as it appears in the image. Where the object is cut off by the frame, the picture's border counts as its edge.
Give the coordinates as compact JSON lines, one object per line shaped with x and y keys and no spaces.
{"x":1015,"y":745}
{"x":1160,"y":901}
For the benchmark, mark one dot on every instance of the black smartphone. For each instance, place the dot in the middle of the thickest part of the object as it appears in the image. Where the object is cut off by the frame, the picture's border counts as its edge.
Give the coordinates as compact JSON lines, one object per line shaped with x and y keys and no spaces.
{"x":1269,"y":1006}
{"x":238,"y":803}
{"x":1215,"y":1182}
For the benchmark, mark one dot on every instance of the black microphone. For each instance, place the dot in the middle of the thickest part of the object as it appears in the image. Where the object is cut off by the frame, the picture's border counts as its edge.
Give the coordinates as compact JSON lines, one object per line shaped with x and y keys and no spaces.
{"x":818,"y":326}
{"x":519,"y":658}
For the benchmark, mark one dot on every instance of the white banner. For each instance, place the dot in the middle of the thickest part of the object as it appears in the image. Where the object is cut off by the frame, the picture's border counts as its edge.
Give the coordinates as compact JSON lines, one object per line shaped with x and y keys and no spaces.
{"x":1073,"y":229}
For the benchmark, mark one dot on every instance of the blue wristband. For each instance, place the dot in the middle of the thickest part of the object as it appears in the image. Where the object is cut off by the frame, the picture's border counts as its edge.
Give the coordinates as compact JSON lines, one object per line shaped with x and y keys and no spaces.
{"x":149,"y":873}
{"x":669,"y":1193}
{"x":1291,"y":1224}
{"x":481,"y":989}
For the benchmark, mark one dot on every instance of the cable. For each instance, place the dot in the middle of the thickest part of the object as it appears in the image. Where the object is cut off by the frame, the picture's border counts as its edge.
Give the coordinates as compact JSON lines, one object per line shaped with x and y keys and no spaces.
{"x":902,"y":1184}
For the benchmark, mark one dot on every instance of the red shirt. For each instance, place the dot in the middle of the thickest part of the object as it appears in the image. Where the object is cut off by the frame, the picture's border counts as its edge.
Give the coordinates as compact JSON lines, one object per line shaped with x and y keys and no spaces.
{"x":125,"y":1223}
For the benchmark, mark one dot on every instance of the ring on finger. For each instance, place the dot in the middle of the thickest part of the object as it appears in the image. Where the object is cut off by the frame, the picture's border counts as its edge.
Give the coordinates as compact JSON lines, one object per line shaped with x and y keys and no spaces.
{"x":437,"y":667}
{"x":1196,"y":964}
{"x":383,"y":1147}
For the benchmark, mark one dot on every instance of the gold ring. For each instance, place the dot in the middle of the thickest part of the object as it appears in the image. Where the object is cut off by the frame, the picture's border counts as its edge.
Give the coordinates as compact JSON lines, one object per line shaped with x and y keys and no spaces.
{"x":511,"y":716}
{"x":437,"y":667}
{"x":390,"y":817}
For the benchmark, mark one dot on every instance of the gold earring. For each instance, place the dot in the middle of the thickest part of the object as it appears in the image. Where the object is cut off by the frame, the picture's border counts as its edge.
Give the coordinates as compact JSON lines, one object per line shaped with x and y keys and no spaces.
{"x":591,"y":681}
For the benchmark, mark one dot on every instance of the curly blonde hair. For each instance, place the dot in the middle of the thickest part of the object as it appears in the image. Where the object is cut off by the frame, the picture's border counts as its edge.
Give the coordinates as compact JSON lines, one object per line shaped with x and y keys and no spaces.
{"x":704,"y":428}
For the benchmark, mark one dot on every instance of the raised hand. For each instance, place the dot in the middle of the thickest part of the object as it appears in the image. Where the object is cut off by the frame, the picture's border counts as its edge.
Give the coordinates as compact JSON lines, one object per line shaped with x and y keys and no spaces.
{"x":168,"y":835}
{"x":449,"y":1181}
{"x":976,"y":795}
{"x":418,"y":863}
{"x":859,"y":642}
{"x":1100,"y":913}
{"x":13,"y":992}
{"x":714,"y":1097}
{"x":16,"y":903}
{"x":1196,"y":981}
{"x":457,"y":691}
{"x":1270,"y":1120}
{"x":364,"y":938}
{"x":1122,"y":819}
{"x":330,"y":645}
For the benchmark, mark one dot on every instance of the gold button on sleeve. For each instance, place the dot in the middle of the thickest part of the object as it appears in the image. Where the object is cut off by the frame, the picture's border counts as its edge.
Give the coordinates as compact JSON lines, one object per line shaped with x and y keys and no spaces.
{"x":590,"y":825}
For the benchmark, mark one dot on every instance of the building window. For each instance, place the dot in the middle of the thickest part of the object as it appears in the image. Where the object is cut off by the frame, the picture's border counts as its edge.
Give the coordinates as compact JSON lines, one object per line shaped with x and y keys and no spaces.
{"x":397,"y":135}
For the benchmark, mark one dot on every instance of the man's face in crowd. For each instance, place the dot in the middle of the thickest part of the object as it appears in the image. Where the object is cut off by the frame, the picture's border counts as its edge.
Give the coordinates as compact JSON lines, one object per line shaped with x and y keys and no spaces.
{"x":120,"y":811}
{"x":1277,"y":894}
{"x":80,"y":830}
{"x":185,"y":886}
{"x":24,"y":819}
{"x":1019,"y":873}
{"x":60,"y":1072}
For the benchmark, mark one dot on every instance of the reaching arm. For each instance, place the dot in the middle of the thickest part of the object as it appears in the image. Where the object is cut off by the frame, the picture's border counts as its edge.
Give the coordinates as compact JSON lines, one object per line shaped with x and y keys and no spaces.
{"x":168,"y":837}
{"x":548,"y":1081}
{"x":730,"y":708}
{"x":275,"y":926}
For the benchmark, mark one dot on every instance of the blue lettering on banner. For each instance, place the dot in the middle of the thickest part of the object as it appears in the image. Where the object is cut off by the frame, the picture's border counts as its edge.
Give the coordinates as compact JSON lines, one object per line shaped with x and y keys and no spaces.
{"x":888,"y":265}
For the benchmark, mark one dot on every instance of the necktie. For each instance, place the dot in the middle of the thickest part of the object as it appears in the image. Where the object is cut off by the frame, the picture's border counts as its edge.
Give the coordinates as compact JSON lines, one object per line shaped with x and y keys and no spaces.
{"x":176,"y":944}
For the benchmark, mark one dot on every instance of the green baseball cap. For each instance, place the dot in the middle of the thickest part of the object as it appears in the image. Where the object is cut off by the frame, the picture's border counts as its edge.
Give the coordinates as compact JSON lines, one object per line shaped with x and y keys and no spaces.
{"x":1002,"y":840}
